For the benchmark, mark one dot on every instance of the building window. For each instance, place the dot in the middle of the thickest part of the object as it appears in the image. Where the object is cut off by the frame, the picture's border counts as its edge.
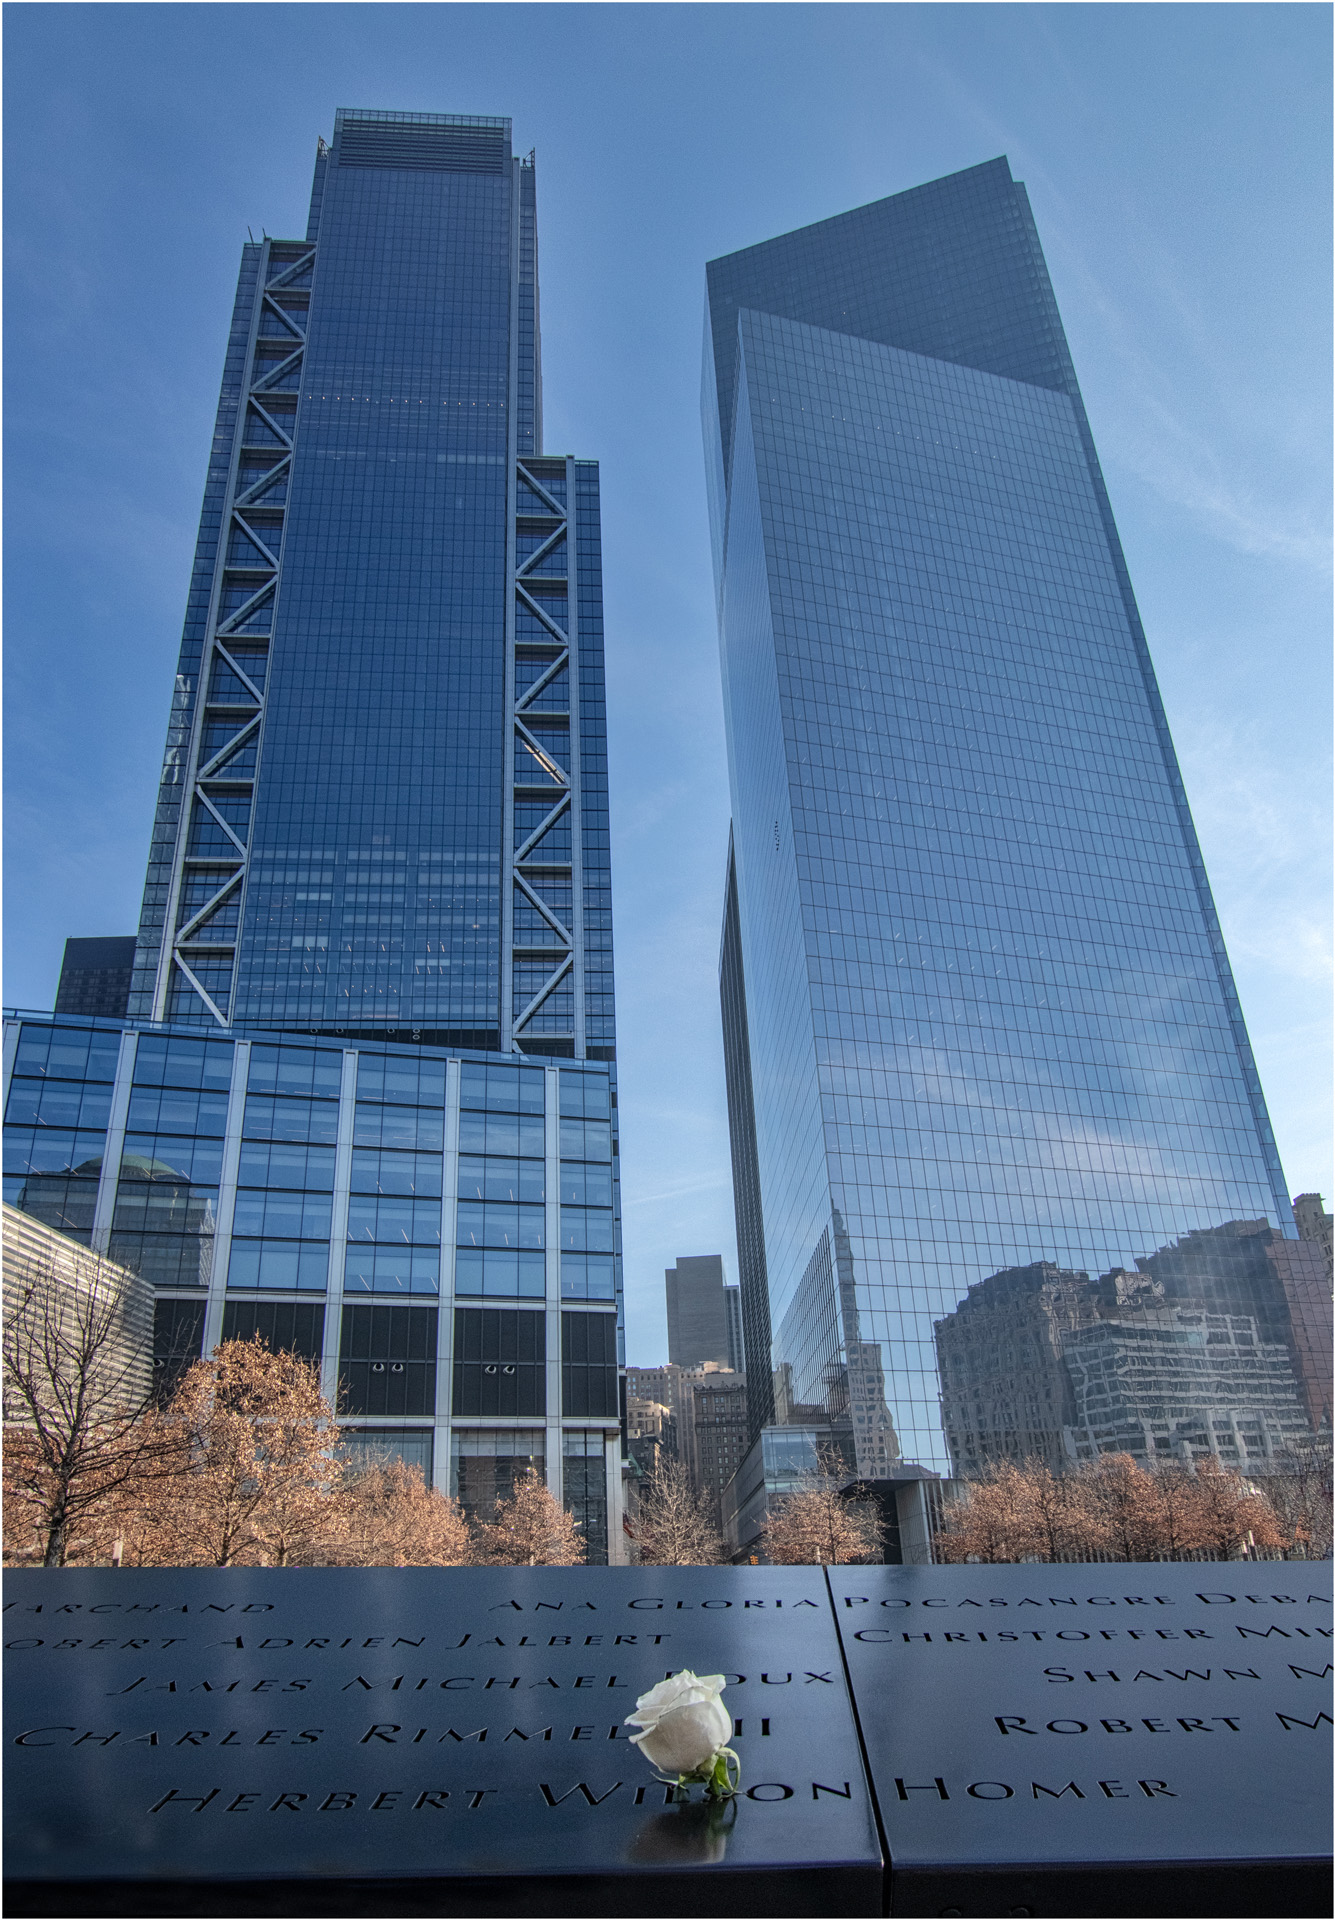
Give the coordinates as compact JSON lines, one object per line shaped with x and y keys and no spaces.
{"x":502,"y":1089}
{"x":499,"y":1273}
{"x":584,"y":1474}
{"x":499,"y":1362}
{"x":55,"y":1125}
{"x":387,"y":1360}
{"x":287,"y":1326}
{"x":178,"y":1333}
{"x":589,"y":1364}
{"x":363,"y":1447}
{"x":486,"y":1463}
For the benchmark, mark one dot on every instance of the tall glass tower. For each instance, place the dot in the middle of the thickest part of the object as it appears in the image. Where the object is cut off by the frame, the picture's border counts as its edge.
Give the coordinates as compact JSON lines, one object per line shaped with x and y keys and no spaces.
{"x":383,"y":807}
{"x":363,"y":1102}
{"x":987,"y":1070}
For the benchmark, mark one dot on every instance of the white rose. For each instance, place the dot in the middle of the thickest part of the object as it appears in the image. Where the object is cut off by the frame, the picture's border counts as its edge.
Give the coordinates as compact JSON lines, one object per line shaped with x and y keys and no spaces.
{"x":684,"y":1724}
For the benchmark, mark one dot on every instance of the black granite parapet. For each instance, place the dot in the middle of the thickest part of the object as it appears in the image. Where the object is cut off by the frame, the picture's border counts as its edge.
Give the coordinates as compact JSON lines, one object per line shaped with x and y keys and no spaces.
{"x":1096,"y":1740}
{"x":312,"y":1741}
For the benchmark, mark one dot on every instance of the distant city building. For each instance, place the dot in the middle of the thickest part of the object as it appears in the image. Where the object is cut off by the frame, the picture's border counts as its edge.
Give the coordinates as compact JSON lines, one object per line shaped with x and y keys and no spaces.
{"x":1302,"y":1268}
{"x":713,"y":1430}
{"x":695,"y":1414}
{"x":697,"y":1314}
{"x":732,"y":1305}
{"x":1314,"y":1223}
{"x":655,"y":1385}
{"x":1041,"y":1363}
{"x":95,"y":976}
{"x":651,"y":1431}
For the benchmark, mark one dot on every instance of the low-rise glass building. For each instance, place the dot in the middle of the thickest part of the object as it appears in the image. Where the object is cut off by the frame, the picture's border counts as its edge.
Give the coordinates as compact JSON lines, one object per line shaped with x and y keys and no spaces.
{"x":438,"y":1228}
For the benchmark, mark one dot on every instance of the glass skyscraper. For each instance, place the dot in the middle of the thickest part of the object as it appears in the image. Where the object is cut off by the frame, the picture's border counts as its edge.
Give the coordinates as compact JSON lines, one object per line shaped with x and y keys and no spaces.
{"x":383,"y":807}
{"x":981,"y":1034}
{"x":363,"y":1101}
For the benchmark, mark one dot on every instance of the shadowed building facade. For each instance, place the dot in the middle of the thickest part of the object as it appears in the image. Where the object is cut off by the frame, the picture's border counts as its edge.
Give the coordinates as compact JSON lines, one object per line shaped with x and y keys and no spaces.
{"x":978,"y":1014}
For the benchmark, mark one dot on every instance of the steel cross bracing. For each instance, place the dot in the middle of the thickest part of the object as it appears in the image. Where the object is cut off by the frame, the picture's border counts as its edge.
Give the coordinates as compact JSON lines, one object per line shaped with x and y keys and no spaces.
{"x":542,"y":987}
{"x":209,"y":866}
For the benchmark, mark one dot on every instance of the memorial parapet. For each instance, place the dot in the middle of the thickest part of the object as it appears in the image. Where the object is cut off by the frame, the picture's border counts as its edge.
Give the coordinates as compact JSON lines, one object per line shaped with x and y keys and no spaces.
{"x":437,"y":1741}
{"x":1147,"y":1739}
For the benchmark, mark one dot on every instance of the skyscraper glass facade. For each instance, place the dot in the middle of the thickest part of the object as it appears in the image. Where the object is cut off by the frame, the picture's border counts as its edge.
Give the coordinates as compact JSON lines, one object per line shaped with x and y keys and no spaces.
{"x":978,"y":1013}
{"x":364,"y":1100}
{"x":384,"y":799}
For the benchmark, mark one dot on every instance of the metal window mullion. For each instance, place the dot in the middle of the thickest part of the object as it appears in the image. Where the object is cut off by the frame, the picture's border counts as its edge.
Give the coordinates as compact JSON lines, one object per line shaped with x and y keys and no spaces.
{"x":105,"y":1206}
{"x":552,"y":1220}
{"x":576,"y":807}
{"x":445,"y":1320}
{"x":616,"y":1533}
{"x":338,"y":1228}
{"x":231,"y":1162}
{"x":167,"y":950}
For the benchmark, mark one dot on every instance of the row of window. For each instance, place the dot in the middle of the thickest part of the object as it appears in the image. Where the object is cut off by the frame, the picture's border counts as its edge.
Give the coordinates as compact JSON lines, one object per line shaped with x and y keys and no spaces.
{"x":189,"y":1065}
{"x":387,"y":1355}
{"x":276,"y":1266}
{"x":283,"y":1120}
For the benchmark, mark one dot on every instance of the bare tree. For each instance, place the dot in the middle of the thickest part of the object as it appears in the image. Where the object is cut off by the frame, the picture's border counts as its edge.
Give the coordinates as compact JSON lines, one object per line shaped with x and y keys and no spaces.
{"x":1121,"y":1507}
{"x":76,"y":1393}
{"x":819,"y":1524}
{"x":257,"y":1468}
{"x":674,"y":1527}
{"x":988,"y":1519}
{"x":393,"y":1519}
{"x":1231,"y":1514}
{"x":530,"y":1529}
{"x":1178,"y":1509}
{"x":1300,"y":1494}
{"x":1058,"y":1521}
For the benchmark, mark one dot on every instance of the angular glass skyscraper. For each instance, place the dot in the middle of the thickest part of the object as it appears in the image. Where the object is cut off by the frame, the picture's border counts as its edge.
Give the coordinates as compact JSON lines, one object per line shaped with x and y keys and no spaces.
{"x":979,"y":1020}
{"x":363,"y":1102}
{"x":384,"y":799}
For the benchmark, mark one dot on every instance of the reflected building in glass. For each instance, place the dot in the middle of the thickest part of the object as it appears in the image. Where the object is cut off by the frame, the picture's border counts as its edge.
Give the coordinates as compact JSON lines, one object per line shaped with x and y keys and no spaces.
{"x":979,"y":1019}
{"x":363,"y":1102}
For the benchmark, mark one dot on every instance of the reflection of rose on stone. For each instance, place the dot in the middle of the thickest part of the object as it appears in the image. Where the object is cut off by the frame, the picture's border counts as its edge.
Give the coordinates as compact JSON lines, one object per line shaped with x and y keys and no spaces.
{"x":684,"y":1730}
{"x":695,"y":1834}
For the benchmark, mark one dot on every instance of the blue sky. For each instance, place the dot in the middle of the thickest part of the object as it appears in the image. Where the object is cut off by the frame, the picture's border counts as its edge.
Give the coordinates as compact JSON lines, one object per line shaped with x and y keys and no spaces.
{"x":1177,"y":158}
